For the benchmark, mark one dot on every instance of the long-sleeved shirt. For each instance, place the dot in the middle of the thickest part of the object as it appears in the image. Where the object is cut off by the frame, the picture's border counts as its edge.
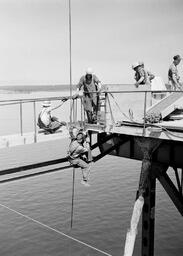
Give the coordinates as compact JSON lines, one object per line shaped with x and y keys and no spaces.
{"x":76,"y":149}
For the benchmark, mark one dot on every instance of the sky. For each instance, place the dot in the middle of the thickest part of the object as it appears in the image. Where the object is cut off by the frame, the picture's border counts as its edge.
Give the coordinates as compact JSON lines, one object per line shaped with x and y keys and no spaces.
{"x":106,"y":35}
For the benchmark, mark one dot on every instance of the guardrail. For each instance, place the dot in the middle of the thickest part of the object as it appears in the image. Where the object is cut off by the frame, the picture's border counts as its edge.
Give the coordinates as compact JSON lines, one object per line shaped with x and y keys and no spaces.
{"x":77,"y":106}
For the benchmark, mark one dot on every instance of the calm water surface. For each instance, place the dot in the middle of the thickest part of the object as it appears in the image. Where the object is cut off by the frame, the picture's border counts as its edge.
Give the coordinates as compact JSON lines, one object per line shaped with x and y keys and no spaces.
{"x":102,"y":212}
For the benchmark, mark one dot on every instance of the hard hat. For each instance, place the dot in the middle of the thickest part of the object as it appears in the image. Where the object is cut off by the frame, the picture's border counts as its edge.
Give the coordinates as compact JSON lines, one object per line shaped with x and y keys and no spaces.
{"x":134,"y":65}
{"x":141,"y":63}
{"x":89,"y":71}
{"x":47,"y":103}
{"x":80,"y":136}
{"x":177,"y":57}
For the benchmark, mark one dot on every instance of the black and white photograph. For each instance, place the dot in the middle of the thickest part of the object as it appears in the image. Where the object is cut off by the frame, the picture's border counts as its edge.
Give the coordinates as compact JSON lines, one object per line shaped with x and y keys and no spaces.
{"x":91,"y":127}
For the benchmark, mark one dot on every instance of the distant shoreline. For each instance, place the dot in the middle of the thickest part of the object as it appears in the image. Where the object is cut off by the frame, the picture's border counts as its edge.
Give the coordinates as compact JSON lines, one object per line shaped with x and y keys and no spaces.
{"x":34,"y":88}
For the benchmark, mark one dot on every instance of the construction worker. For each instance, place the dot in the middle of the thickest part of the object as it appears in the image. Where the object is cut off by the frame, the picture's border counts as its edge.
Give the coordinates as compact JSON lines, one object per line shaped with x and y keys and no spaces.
{"x":78,"y":155}
{"x":173,"y":75}
{"x":150,"y":75}
{"x":47,"y":122}
{"x":90,"y":85}
{"x":142,"y":76}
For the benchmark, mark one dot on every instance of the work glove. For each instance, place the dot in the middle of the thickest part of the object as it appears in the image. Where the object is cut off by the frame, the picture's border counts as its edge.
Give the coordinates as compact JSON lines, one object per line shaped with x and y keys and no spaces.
{"x":64,"y":99}
{"x":75,"y":96}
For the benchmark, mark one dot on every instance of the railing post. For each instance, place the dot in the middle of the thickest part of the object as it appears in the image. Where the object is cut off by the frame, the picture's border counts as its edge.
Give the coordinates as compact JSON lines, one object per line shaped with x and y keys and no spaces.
{"x":105,"y":120}
{"x":145,"y":106}
{"x":35,"y":123}
{"x":21,"y":123}
{"x":76,"y":110}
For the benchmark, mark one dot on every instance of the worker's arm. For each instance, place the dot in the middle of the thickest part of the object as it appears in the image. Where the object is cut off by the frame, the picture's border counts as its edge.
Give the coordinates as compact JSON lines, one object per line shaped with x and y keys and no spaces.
{"x":81,"y":150}
{"x":139,"y":81}
{"x":176,"y":81}
{"x":98,"y":83}
{"x":151,"y":76}
{"x":79,"y":92}
{"x":63,"y":100}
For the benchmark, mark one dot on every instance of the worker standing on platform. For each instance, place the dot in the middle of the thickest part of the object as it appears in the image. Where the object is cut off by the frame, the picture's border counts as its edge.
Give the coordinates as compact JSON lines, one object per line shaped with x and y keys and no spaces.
{"x":142,"y":76}
{"x":90,"y":85}
{"x":78,"y":155}
{"x":46,"y":121}
{"x":173,"y":75}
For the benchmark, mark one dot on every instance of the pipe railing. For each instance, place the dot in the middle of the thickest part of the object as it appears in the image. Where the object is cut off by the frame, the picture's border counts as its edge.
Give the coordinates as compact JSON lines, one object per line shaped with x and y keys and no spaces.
{"x":75,"y":108}
{"x":21,"y":102}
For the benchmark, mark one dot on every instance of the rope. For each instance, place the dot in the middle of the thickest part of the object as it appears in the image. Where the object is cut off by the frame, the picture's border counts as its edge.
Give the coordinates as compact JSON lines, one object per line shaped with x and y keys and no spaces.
{"x":55,"y":230}
{"x":72,"y":204}
{"x":130,"y":117}
{"x":163,"y":128}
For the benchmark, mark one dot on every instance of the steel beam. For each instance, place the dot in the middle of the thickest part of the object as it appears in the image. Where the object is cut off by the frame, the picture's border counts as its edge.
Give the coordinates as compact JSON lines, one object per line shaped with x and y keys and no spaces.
{"x":170,"y":188}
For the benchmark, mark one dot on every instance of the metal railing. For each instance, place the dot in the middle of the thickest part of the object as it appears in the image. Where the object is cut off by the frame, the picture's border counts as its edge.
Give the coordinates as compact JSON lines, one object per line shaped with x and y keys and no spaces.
{"x":22,"y":102}
{"x":77,"y":112}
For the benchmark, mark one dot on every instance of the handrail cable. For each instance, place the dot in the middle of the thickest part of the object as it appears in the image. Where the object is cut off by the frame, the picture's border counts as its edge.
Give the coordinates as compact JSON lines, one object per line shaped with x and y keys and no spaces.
{"x":55,"y":230}
{"x":105,"y":91}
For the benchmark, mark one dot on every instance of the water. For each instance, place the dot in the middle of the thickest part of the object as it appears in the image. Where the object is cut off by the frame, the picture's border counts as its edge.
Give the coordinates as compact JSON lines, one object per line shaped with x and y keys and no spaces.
{"x":101,"y":212}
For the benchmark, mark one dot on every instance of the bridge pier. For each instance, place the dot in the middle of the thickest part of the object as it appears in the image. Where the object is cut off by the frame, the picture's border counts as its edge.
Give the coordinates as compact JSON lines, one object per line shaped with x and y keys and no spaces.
{"x":148,"y":217}
{"x":147,"y":188}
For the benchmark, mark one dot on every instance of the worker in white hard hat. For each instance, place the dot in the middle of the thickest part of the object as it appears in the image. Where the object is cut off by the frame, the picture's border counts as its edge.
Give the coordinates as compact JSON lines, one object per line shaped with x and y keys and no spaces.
{"x":47,"y":122}
{"x":90,"y":85}
{"x":142,"y":76}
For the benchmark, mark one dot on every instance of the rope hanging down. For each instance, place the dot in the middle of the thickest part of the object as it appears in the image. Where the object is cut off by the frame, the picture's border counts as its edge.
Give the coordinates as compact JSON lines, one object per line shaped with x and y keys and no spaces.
{"x":55,"y":230}
{"x":72,"y":203}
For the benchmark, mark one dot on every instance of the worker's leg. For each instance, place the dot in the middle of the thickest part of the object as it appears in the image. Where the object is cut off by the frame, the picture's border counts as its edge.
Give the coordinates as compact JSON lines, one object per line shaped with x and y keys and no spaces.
{"x":54,"y":126}
{"x":95,"y":113}
{"x":84,"y":167}
{"x":87,"y":102}
{"x":89,"y":116}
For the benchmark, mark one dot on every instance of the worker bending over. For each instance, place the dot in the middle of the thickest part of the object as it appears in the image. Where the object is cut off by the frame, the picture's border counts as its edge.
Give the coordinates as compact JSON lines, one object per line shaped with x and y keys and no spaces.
{"x":142,"y":76}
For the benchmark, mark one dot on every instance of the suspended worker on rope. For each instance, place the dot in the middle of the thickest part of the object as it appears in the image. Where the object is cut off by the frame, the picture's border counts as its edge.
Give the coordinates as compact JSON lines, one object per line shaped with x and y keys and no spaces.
{"x":79,"y":154}
{"x":142,"y":76}
{"x":47,"y":122}
{"x":90,"y":85}
{"x":173,"y":75}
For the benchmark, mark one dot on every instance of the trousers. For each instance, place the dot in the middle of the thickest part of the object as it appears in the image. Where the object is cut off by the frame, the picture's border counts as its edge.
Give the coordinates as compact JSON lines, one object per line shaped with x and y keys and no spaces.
{"x":84,"y":167}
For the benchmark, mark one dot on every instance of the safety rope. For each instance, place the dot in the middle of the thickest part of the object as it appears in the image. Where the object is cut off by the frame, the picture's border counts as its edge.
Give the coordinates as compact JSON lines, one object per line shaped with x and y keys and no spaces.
{"x":55,"y":230}
{"x":166,"y":130}
{"x":72,"y":202}
{"x":130,"y":117}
